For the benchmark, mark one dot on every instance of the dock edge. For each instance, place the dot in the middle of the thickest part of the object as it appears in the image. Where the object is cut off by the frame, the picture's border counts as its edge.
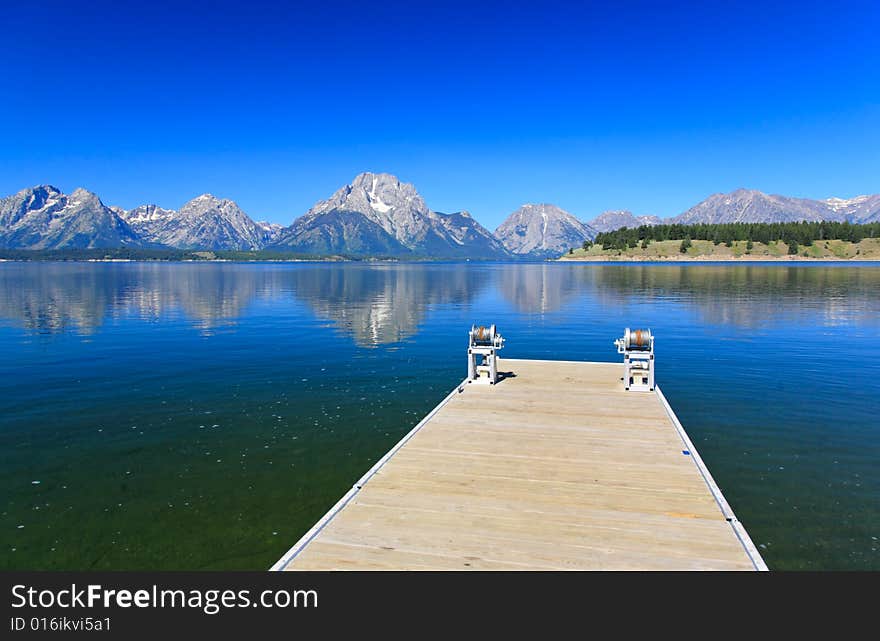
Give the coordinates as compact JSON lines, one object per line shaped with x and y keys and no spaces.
{"x":738,"y":529}
{"x":306,"y":538}
{"x":727,"y":511}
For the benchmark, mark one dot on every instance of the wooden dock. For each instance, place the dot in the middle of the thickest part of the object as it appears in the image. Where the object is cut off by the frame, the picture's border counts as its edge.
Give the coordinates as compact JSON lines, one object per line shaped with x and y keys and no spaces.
{"x":554,"y":468}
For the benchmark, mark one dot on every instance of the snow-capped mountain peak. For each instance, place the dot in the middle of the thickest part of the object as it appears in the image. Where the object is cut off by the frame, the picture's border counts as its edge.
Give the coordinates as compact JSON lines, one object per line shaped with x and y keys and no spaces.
{"x":838,"y":204}
{"x":378,"y":213}
{"x":43,"y":217}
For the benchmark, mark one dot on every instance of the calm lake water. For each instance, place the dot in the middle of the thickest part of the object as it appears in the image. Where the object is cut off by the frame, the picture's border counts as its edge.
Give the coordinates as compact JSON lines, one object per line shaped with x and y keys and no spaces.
{"x":206,"y":415}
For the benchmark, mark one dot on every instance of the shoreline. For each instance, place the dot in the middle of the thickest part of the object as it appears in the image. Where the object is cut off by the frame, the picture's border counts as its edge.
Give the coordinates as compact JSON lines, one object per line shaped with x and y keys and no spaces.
{"x":713,"y":259}
{"x":591,"y":259}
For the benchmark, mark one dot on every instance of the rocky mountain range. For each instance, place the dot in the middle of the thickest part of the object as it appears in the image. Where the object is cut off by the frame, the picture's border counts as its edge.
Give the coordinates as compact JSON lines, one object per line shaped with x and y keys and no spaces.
{"x":205,"y":222}
{"x":611,"y":220}
{"x":376,"y":215}
{"x":379,"y":214}
{"x":542,"y":231}
{"x":861,"y":209}
{"x":44,"y":218}
{"x":751,"y":206}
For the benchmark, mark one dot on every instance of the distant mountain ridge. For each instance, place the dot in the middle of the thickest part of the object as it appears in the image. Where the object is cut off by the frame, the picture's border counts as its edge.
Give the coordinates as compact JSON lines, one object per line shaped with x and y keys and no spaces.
{"x":380,"y":215}
{"x":611,"y":220}
{"x":861,"y":209}
{"x":377,"y":214}
{"x":44,"y":218}
{"x":752,"y":206}
{"x":542,"y":230}
{"x":205,"y":222}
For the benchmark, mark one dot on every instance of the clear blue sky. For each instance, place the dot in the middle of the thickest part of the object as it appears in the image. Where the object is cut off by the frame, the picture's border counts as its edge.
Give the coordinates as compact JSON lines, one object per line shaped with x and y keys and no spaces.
{"x":643,"y":106}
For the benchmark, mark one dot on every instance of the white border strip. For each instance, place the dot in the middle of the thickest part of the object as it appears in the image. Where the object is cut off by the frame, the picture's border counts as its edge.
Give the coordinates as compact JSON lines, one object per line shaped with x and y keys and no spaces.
{"x":726,"y":510}
{"x":307,"y":538}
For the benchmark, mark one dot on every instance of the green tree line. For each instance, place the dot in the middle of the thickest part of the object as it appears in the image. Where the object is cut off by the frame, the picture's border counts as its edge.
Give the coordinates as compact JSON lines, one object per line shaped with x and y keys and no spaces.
{"x":799,"y":233}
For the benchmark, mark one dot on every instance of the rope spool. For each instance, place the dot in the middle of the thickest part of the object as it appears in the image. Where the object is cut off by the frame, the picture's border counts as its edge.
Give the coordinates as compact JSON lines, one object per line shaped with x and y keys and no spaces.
{"x":483,"y":335}
{"x":637,"y":339}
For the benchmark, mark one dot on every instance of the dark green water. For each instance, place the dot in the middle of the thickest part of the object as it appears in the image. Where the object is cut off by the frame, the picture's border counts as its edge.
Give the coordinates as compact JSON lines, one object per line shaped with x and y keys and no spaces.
{"x":205,"y":415}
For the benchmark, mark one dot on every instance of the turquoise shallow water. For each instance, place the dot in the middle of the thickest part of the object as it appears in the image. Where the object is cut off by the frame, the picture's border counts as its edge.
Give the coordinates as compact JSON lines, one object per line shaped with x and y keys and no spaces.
{"x":205,"y":415}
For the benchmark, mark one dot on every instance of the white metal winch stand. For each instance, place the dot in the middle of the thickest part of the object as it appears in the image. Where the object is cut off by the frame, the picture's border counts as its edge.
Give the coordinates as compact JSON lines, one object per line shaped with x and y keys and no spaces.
{"x":483,"y":345}
{"x":637,"y":347}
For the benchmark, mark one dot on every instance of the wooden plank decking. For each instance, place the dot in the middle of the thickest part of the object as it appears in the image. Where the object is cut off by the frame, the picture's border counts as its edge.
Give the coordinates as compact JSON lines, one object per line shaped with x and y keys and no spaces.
{"x":555,"y":467}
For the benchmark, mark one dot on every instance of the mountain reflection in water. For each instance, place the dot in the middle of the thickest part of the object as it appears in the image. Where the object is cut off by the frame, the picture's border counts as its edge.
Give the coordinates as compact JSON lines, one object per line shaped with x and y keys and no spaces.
{"x":385,"y":303}
{"x":205,"y":415}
